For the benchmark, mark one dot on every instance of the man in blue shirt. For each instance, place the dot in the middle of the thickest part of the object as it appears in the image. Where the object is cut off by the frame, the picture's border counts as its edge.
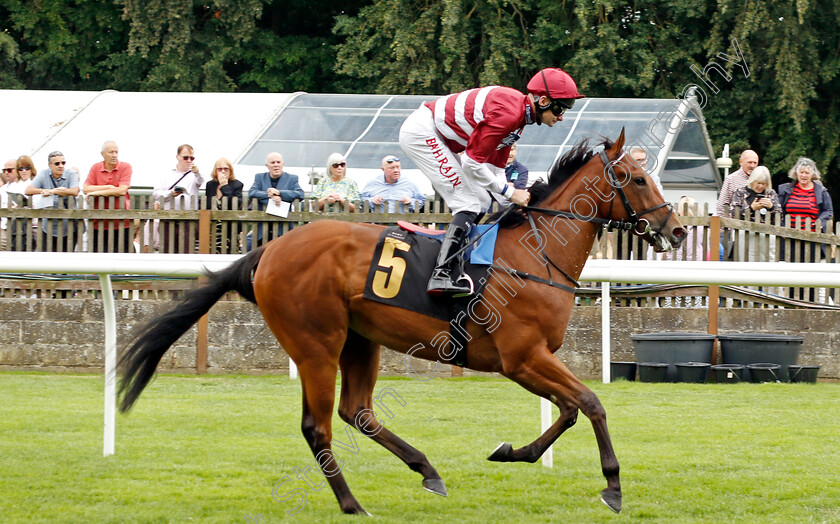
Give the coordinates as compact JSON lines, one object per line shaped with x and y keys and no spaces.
{"x":276,"y":185}
{"x":391,"y":192}
{"x":515,"y":172}
{"x":61,"y":185}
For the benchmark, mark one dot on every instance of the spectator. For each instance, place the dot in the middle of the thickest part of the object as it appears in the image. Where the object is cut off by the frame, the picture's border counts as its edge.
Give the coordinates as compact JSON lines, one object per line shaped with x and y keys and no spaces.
{"x":805,"y":198}
{"x":24,"y":174}
{"x":630,"y":246}
{"x":8,"y":175}
{"x":276,"y":185}
{"x":57,"y":185}
{"x":759,"y":197}
{"x":108,"y":181}
{"x":336,"y":189}
{"x":392,"y":191}
{"x":639,"y":156}
{"x":224,"y":185}
{"x":178,"y":189}
{"x":515,"y":172}
{"x":736,"y":180}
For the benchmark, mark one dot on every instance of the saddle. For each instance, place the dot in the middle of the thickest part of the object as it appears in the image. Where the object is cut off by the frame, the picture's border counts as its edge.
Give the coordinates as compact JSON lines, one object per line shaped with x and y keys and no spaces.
{"x":403,"y":261}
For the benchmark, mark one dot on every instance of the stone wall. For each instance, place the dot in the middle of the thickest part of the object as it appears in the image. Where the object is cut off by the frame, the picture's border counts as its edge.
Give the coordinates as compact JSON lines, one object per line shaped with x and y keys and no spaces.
{"x":69,"y":335}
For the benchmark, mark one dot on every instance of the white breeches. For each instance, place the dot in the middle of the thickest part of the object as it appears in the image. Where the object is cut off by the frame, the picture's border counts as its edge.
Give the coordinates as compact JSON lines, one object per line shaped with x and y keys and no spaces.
{"x":421,"y":142}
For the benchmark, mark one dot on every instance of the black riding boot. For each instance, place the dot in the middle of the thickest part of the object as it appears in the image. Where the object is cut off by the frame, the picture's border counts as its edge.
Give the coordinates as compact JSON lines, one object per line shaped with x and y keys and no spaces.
{"x":446,"y":278}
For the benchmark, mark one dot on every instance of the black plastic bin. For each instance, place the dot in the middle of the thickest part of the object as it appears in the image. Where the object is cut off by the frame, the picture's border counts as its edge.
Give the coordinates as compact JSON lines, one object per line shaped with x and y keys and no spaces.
{"x":653,"y":371}
{"x":728,"y":373}
{"x":622,"y":370}
{"x":694,"y":372}
{"x":764,"y":372}
{"x":753,"y":348}
{"x":673,"y":347}
{"x":803,"y":373}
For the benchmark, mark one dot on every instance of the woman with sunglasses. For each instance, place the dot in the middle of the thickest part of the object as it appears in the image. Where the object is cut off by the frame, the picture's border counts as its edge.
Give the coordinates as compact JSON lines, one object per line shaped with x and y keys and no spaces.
{"x":8,"y":175}
{"x":482,"y":123}
{"x":24,"y":174}
{"x":224,"y":185}
{"x":335,"y":189}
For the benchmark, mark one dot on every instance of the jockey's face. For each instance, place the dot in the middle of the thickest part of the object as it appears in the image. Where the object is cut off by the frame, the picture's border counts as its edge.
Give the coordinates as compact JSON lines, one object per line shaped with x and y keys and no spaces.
{"x":547,"y":117}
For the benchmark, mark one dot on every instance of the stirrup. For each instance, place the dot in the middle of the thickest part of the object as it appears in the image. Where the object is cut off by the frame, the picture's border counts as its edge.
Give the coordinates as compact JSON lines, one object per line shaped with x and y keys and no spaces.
{"x":465,"y":276}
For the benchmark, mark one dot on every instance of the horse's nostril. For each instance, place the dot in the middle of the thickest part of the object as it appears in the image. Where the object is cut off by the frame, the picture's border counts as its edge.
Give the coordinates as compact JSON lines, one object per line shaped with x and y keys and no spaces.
{"x":680,"y":232}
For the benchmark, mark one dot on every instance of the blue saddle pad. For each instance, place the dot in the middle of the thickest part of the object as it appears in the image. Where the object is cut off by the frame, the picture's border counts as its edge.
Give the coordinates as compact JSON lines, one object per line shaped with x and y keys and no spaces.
{"x":482,"y":252}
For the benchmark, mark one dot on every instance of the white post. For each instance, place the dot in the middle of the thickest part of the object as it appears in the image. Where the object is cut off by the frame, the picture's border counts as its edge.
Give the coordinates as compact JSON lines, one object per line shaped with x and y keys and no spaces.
{"x":292,"y":369}
{"x":545,"y":423}
{"x":110,"y":365}
{"x":605,"y":331}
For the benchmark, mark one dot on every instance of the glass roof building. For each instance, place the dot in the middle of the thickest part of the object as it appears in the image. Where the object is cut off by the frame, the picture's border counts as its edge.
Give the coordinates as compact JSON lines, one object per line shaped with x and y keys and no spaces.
{"x":306,"y":128}
{"x":365,"y":128}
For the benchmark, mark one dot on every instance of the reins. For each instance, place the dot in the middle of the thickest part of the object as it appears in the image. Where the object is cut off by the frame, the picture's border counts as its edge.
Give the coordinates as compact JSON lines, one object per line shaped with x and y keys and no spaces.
{"x":634,"y":219}
{"x":625,"y":225}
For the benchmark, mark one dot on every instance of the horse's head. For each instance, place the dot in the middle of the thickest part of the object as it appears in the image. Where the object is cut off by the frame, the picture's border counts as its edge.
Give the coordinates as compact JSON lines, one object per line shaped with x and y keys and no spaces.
{"x":635,"y":199}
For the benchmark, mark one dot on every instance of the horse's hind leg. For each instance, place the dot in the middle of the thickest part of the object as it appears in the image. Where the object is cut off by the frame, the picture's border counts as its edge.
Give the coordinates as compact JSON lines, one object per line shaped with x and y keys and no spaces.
{"x":318,"y":382}
{"x":544,"y":375}
{"x":359,"y":368}
{"x":533,"y":451}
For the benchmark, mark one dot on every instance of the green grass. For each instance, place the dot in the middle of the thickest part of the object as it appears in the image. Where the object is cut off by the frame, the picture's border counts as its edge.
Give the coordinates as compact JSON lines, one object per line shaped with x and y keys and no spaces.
{"x":209,"y":449}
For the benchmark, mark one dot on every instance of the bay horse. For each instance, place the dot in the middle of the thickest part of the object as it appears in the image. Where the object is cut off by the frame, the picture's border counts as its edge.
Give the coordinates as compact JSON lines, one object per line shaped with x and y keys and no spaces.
{"x":309,"y":286}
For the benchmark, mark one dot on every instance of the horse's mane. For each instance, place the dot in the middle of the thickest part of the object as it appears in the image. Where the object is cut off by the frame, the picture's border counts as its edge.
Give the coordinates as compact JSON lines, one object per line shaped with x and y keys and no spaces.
{"x":562,"y":170}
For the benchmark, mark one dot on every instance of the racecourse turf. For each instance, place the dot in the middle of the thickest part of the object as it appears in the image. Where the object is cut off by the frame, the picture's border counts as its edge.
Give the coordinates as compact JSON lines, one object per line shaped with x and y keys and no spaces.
{"x":228,"y":449}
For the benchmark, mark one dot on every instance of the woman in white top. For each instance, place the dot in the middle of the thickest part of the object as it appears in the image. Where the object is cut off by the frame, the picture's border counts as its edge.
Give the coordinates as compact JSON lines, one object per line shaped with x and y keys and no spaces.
{"x":24,"y":174}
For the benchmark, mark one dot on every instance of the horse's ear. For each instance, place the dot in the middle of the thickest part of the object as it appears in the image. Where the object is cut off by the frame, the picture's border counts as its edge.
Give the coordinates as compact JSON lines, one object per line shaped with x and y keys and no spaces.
{"x":618,"y":145}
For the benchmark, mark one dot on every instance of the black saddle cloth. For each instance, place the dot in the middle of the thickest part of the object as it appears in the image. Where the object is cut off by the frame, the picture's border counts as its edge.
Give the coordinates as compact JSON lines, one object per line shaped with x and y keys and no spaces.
{"x":401,"y":268}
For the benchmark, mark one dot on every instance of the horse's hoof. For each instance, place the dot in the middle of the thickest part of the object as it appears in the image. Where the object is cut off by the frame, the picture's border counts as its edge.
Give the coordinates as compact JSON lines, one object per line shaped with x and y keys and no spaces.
{"x":612,"y":499}
{"x":501,"y":453}
{"x":355,"y":510}
{"x":436,"y":486}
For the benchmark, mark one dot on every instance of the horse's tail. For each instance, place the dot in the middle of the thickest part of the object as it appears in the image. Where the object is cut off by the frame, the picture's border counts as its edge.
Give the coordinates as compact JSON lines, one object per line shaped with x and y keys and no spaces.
{"x":150,"y":342}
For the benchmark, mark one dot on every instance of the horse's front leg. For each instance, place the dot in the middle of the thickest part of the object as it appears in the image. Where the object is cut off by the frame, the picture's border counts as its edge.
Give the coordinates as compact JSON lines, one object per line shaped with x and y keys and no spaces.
{"x":533,"y":451}
{"x":544,"y":375}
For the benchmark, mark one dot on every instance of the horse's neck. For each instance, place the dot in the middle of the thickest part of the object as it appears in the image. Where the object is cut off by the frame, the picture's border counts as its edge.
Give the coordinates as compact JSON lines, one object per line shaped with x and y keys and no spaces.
{"x":568,"y":242}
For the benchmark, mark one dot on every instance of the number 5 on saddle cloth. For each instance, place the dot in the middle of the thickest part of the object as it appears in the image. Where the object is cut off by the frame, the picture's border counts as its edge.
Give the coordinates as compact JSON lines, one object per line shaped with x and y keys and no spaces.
{"x":403,"y":262}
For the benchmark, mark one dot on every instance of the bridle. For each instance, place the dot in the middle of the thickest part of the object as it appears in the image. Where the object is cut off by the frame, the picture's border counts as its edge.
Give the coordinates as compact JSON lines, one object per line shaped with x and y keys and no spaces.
{"x":631,"y":223}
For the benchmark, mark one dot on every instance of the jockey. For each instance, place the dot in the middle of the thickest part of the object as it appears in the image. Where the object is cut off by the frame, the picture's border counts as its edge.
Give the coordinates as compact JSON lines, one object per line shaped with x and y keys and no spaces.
{"x":482,"y":124}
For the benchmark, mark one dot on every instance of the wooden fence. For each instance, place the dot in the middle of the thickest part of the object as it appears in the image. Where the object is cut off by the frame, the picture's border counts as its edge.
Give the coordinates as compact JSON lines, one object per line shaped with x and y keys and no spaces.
{"x":231,"y":227}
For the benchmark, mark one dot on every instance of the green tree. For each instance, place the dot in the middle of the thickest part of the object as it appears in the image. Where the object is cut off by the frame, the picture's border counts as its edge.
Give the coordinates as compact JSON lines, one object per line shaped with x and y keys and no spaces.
{"x":185,"y":45}
{"x":9,"y":60}
{"x":787,"y":108}
{"x":56,"y":47}
{"x":643,"y":49}
{"x":434,"y":46}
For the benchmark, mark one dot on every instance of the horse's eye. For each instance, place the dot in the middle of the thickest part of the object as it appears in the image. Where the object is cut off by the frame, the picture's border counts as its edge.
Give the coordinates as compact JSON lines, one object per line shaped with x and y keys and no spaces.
{"x":640,"y":181}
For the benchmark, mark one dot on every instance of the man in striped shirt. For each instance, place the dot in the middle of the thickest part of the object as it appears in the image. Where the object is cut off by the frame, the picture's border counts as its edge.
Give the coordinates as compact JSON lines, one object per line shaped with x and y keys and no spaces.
{"x":736,"y":180}
{"x":482,"y":124}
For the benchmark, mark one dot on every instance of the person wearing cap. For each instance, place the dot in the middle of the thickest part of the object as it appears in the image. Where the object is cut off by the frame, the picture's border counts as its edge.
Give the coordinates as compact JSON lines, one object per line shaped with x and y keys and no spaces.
{"x":336,"y":190}
{"x":390,"y":193}
{"x":9,"y":171}
{"x":482,"y":123}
